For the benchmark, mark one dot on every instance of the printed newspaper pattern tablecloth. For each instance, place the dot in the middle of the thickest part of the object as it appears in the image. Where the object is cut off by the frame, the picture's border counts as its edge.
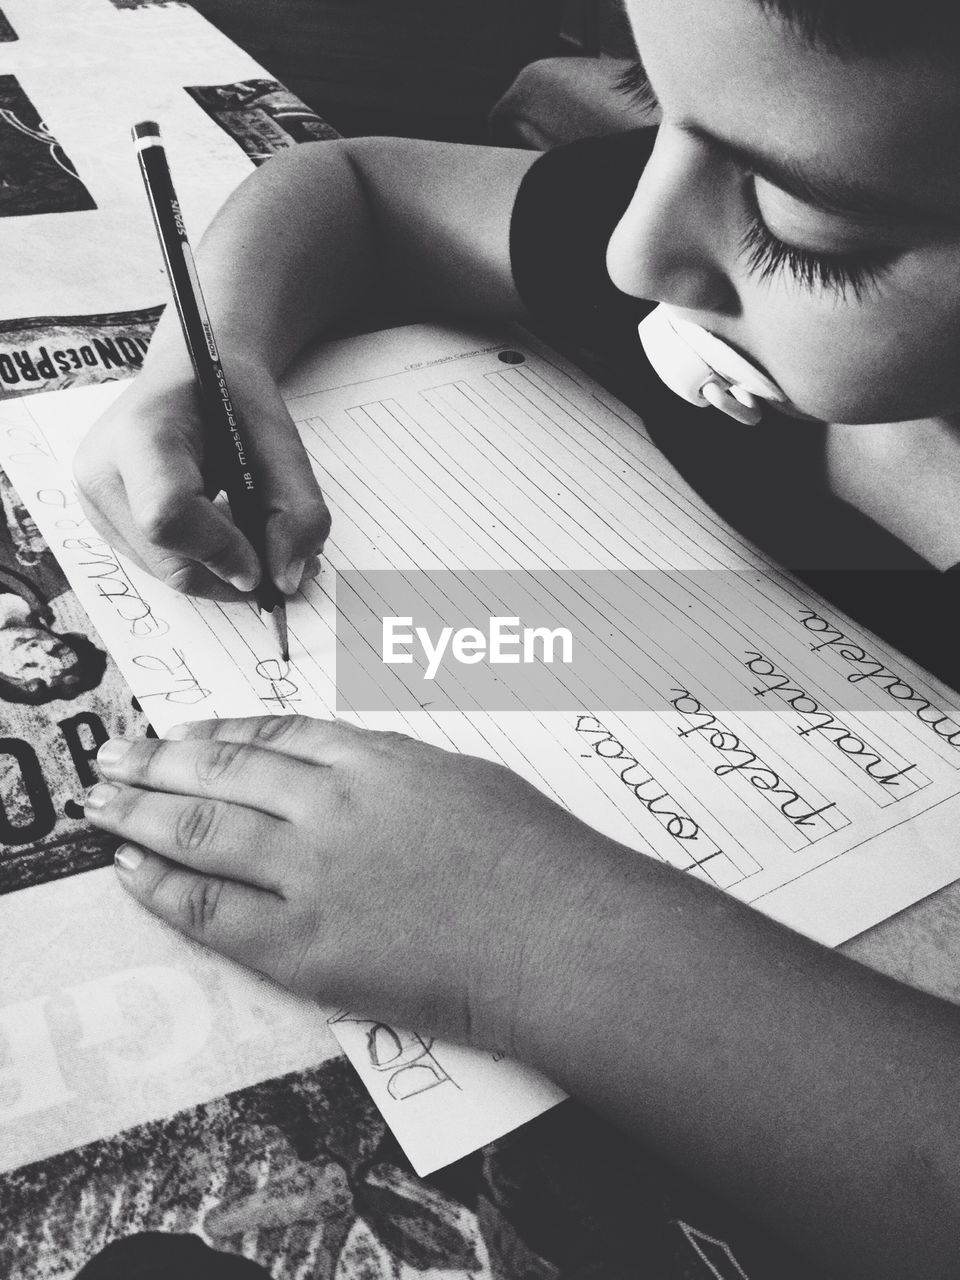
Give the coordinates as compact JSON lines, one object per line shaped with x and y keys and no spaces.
{"x":83,"y":290}
{"x":119,"y":1117}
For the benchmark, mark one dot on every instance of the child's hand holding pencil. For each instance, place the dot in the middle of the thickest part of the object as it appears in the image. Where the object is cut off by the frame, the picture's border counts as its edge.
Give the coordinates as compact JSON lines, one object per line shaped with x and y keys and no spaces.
{"x":197,"y":420}
{"x":144,"y":480}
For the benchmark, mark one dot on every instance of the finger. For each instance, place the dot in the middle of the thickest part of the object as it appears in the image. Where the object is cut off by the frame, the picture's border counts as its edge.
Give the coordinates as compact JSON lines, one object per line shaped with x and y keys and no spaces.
{"x":298,"y":520}
{"x":191,"y":578}
{"x":244,"y":923}
{"x":220,"y":770}
{"x":211,"y":836}
{"x":294,"y":539}
{"x":311,"y":570}
{"x":318,"y":742}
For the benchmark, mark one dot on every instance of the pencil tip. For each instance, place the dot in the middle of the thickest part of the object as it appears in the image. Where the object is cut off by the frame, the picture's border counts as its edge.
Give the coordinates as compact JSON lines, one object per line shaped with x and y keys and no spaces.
{"x":278,"y":624}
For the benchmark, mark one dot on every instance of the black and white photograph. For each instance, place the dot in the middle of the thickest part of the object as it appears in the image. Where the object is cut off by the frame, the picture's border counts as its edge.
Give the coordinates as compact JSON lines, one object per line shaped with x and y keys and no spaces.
{"x":36,"y":174}
{"x":61,"y":697}
{"x":261,"y":116}
{"x":51,"y":353}
{"x":300,"y":1176}
{"x":479,"y":696}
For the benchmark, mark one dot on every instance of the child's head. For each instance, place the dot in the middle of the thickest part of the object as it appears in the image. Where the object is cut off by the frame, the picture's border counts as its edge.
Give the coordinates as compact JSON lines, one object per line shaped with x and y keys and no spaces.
{"x":803,"y":198}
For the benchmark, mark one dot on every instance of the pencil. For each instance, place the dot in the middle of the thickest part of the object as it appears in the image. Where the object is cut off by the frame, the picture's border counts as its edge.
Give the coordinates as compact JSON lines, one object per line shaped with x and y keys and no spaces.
{"x":235,"y":468}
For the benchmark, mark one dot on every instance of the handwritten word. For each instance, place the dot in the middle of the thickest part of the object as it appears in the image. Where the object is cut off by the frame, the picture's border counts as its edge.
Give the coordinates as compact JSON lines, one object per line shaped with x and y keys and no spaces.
{"x":877,"y":672}
{"x":113,"y":583}
{"x":57,"y":498}
{"x":29,"y":444}
{"x":849,"y":743}
{"x":283,"y":691}
{"x":406,"y":1058}
{"x":740,"y":759}
{"x":184,"y":689}
{"x":651,"y":794}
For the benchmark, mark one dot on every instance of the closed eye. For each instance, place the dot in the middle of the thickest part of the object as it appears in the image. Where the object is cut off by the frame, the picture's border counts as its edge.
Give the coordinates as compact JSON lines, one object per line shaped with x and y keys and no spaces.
{"x":633,"y":82}
{"x":766,"y":255}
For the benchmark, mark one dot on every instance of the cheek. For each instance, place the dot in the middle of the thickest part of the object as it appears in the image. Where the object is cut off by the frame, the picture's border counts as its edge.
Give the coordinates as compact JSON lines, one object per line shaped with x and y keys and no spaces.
{"x":889,"y":359}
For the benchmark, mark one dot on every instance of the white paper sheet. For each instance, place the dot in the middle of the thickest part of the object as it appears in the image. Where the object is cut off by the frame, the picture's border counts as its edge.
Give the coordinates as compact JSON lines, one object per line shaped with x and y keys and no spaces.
{"x":433,"y":453}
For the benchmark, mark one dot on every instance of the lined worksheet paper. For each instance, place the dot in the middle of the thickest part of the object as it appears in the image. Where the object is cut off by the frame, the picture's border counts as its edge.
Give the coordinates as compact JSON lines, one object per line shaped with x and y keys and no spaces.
{"x":772,"y":749}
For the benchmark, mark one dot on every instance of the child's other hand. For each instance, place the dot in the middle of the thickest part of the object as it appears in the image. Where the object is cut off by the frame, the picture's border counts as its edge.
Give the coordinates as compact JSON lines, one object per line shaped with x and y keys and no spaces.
{"x":358,"y":868}
{"x":144,"y":482}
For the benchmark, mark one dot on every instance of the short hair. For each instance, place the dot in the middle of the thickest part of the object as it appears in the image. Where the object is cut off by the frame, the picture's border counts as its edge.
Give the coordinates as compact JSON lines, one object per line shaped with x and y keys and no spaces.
{"x":87,"y":671}
{"x":874,"y":27}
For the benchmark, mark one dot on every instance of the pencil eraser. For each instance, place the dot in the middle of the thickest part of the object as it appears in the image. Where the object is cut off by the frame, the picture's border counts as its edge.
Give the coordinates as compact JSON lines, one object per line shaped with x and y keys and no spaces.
{"x":145,"y":129}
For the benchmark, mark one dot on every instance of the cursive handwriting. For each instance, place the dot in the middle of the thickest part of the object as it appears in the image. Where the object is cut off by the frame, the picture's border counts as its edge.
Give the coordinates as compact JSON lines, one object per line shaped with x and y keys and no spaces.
{"x":405,"y":1059}
{"x":869,"y":668}
{"x":738,"y":758}
{"x":699,"y":848}
{"x":819,"y":720}
{"x":100,"y":564}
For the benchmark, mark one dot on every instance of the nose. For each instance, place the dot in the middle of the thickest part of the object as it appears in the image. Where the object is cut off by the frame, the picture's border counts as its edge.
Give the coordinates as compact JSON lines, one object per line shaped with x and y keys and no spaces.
{"x":666,"y":247}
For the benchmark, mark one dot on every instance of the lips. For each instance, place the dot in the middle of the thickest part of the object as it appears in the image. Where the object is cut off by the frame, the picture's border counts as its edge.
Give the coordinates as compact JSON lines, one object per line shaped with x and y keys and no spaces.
{"x":727,"y":359}
{"x":746,"y":355}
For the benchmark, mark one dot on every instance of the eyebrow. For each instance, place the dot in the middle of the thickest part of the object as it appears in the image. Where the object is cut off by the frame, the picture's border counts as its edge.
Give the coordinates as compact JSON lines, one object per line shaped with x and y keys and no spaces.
{"x":832,"y":193}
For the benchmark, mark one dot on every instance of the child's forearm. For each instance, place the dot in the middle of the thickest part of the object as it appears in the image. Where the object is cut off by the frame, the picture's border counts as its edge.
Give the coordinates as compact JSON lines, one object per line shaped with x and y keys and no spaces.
{"x":327,"y":234}
{"x":812,"y":1091}
{"x":442,"y":891}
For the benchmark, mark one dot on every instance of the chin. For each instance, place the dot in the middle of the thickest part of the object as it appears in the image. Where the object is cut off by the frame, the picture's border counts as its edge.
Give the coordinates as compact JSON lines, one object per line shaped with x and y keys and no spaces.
{"x":790,"y":410}
{"x":880,"y":406}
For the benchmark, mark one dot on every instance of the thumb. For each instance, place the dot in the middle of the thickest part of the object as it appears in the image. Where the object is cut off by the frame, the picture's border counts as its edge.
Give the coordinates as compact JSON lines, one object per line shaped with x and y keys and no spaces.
{"x":298,"y":520}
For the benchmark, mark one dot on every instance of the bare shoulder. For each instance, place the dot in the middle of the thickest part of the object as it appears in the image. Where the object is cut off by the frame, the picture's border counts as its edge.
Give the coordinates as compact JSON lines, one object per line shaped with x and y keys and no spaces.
{"x":459,"y":166}
{"x":443,"y":214}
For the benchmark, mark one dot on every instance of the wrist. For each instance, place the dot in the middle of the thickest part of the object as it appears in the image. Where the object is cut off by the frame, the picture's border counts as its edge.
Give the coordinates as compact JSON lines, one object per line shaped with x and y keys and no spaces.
{"x":544,"y":955}
{"x":167,"y":365}
{"x":168,"y":371}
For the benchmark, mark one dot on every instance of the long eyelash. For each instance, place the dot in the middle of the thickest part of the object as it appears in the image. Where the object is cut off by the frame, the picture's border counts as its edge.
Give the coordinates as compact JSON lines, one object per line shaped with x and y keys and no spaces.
{"x":843,"y":273}
{"x":633,"y":82}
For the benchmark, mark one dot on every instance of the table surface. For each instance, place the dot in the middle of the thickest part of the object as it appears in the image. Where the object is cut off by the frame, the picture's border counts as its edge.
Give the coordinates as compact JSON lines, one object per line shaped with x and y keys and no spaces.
{"x":298,"y":1171}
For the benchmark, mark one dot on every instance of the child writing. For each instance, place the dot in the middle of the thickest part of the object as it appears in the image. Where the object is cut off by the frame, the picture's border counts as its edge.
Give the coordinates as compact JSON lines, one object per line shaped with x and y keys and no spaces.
{"x":801,"y":200}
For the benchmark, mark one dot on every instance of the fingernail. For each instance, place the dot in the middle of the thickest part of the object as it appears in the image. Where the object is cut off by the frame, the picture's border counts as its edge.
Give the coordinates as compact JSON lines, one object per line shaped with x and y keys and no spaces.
{"x":291,"y":577}
{"x":244,"y":582}
{"x":100,"y":795}
{"x":113,"y":751}
{"x":127,"y":858}
{"x":313,"y":568}
{"x":177,"y":733}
